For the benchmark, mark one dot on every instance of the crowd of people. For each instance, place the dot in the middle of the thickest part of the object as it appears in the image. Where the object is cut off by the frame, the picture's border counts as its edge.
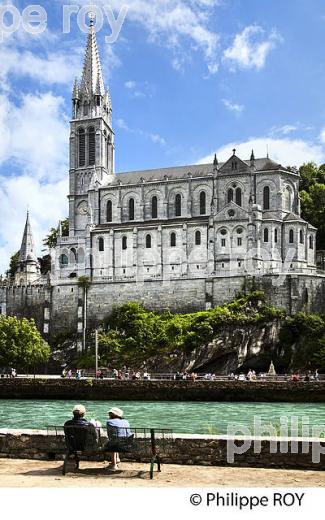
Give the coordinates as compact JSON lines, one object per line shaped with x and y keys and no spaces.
{"x":117,"y":428}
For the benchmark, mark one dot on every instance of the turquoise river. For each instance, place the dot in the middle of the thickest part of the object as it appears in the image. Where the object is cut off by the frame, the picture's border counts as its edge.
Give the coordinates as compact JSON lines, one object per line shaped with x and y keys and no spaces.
{"x":181,"y":417}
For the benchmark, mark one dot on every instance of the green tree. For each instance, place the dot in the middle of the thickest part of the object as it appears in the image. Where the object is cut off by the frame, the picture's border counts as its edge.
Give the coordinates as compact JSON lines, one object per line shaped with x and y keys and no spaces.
{"x":51,"y":239}
{"x":13,"y":266}
{"x":21,"y":344}
{"x":312,"y":197}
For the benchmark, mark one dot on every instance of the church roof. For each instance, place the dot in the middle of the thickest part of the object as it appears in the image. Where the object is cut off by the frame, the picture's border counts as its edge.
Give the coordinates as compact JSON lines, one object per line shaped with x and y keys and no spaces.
{"x":27,"y":249}
{"x":92,"y":78}
{"x":181,"y":172}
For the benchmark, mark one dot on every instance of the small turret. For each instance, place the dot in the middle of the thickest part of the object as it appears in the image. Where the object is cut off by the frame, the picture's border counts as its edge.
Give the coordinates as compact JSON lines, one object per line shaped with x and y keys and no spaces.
{"x":252,"y":159}
{"x":215,"y":162}
{"x":29,"y":268}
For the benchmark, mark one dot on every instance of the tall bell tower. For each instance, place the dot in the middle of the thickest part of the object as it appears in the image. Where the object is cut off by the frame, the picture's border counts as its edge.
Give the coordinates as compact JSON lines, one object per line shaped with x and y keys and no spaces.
{"x":91,"y":138}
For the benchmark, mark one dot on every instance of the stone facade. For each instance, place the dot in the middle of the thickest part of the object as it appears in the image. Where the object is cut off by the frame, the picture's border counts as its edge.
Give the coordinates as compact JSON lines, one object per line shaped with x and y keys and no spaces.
{"x":184,"y":238}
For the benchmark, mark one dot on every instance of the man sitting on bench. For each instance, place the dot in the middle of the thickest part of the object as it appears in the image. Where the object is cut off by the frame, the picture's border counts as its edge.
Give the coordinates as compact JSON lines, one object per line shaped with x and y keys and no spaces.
{"x":118,"y":433}
{"x":74,"y":427}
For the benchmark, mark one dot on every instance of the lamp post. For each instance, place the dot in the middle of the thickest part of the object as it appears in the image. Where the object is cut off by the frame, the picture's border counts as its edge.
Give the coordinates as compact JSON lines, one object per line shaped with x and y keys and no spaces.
{"x":96,"y":352}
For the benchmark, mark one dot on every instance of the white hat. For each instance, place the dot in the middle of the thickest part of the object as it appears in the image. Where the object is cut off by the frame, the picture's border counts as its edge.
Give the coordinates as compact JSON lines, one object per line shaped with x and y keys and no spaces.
{"x":80,"y":409}
{"x":116,"y":411}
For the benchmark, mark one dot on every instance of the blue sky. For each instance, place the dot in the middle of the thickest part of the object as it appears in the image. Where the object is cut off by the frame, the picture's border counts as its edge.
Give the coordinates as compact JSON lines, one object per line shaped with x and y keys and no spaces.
{"x":187,"y":78}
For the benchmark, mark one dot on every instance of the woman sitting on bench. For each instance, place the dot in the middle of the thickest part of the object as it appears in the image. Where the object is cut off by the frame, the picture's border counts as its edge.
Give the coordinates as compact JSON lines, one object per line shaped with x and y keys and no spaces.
{"x":118,"y":433}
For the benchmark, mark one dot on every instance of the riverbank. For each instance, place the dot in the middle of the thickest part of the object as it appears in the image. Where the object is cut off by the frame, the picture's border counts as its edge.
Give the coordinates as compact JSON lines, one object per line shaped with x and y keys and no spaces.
{"x":47,"y":474}
{"x":92,"y":389}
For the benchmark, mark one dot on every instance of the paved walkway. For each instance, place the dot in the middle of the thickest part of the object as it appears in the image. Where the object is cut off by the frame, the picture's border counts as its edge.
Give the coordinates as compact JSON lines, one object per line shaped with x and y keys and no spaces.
{"x":44,"y":474}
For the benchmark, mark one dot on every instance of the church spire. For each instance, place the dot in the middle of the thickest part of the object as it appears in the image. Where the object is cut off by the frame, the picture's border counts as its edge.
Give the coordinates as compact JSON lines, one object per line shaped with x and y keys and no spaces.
{"x":92,"y":82}
{"x":27,"y":249}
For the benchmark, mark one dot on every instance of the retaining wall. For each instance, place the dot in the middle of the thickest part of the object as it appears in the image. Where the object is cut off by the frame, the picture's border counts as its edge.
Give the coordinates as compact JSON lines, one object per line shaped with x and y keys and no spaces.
{"x":205,"y":450}
{"x":258,"y":391}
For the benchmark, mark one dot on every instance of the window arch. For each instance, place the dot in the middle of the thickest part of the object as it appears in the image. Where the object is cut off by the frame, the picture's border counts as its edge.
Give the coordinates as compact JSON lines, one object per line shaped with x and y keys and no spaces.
{"x":173,"y":240}
{"x":287,"y":199}
{"x":154,"y":207}
{"x":311,"y":242}
{"x":124,"y":243}
{"x":275,"y":235}
{"x":301,"y":236}
{"x":266,"y":198}
{"x":148,"y":241}
{"x":91,"y":146}
{"x":291,"y":236}
{"x":178,"y":205}
{"x":203,"y":203}
{"x":73,"y":256}
{"x":64,"y":260}
{"x":230,"y":195}
{"x":198,"y":238}
{"x":266,"y":235}
{"x":82,"y":146}
{"x":100,"y":244}
{"x":238,"y":197}
{"x":109,"y":211}
{"x":131,"y":209}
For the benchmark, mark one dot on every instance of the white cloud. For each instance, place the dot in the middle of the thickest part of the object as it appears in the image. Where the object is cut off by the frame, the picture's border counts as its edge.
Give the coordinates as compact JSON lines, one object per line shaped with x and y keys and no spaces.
{"x":155,"y":138}
{"x":130,"y":84}
{"x":322,"y":135}
{"x":233,"y":107}
{"x":251,"y":47}
{"x":34,"y":167}
{"x":288,"y":152}
{"x":284,"y":130}
{"x":173,"y":23}
{"x":35,"y":135}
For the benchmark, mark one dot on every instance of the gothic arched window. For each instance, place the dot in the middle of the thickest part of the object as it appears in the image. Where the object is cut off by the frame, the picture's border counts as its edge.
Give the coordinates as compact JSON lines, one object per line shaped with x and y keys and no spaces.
{"x":109,"y":211}
{"x":203,"y":203}
{"x":100,"y":244}
{"x":131,"y":209}
{"x":266,"y":198}
{"x":178,"y":205}
{"x":124,"y":243}
{"x":266,"y":235}
{"x":301,"y":235}
{"x":148,"y":241}
{"x":173,"y":240}
{"x":287,"y":199}
{"x":64,"y":260}
{"x":230,"y":195}
{"x":238,"y":197}
{"x":198,"y":238}
{"x":275,"y":235}
{"x":82,"y":146}
{"x":154,"y":207}
{"x":311,"y":242}
{"x":291,"y":236}
{"x":91,"y":146}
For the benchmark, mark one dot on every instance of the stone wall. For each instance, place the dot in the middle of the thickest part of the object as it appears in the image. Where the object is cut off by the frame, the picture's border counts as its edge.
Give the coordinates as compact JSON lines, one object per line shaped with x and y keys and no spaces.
{"x":294,"y":293}
{"x":208,"y":450}
{"x":258,"y":391}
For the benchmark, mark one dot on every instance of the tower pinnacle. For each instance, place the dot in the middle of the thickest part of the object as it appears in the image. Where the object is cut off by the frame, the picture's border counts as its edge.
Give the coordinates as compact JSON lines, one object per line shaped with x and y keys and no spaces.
{"x":92,"y":82}
{"x":27,"y":249}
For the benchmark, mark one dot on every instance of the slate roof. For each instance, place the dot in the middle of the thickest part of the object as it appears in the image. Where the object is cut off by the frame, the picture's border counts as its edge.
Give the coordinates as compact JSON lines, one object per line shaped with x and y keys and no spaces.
{"x":181,"y":172}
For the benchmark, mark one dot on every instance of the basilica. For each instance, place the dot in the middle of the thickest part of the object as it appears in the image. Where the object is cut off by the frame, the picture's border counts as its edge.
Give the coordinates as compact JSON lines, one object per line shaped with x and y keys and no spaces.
{"x":184,"y":238}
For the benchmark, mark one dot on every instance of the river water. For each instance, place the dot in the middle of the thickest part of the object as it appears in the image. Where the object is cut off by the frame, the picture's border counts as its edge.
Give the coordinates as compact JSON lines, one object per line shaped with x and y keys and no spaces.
{"x":183,"y":417}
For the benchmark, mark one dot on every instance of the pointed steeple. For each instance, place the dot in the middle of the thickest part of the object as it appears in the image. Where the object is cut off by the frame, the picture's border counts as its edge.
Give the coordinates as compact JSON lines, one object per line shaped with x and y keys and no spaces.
{"x":92,"y":82}
{"x":215,"y":162}
{"x":252,"y":159}
{"x":27,"y":250}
